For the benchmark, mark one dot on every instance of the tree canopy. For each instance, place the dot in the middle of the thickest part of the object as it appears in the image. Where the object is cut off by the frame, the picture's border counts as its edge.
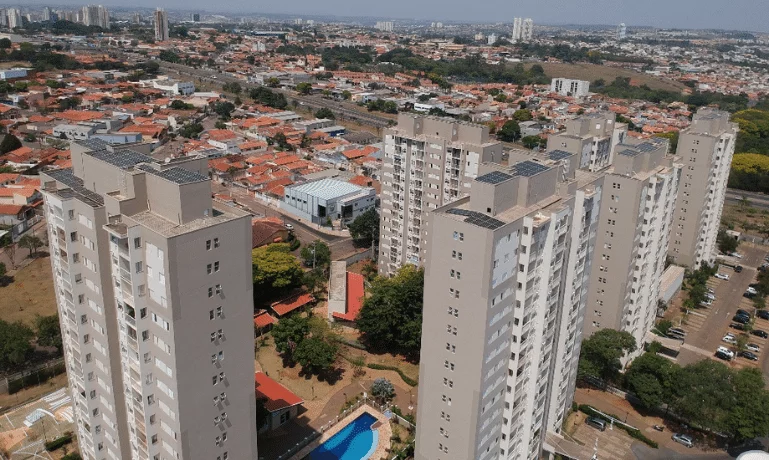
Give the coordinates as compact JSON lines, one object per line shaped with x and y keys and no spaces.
{"x":325,"y":112}
{"x":9,"y":143}
{"x":601,"y":354}
{"x":365,"y":228}
{"x":275,"y":270}
{"x":392,"y":313}
{"x":48,"y":331}
{"x":15,"y":346}
{"x":316,"y":254}
{"x":510,"y":131}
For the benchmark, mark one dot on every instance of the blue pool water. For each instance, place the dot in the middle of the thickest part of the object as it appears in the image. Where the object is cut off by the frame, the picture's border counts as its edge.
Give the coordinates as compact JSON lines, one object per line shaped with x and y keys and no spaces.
{"x":356,"y":441}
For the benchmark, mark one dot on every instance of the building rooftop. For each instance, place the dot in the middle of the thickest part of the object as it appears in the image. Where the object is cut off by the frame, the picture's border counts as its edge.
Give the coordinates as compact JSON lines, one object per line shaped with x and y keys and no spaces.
{"x":327,"y":189}
{"x":276,"y":395}
{"x":176,"y":175}
{"x":220,"y":213}
{"x":76,"y":188}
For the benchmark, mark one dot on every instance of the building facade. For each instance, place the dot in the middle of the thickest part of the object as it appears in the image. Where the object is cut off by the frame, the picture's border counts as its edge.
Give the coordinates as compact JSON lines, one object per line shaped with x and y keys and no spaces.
{"x":428,"y":162}
{"x":505,"y":293}
{"x":706,"y":149}
{"x":593,"y":138}
{"x":95,"y":15}
{"x":155,"y":294}
{"x":523,"y":29}
{"x":569,"y":87}
{"x":161,"y":25}
{"x":328,"y":199}
{"x":640,"y":191}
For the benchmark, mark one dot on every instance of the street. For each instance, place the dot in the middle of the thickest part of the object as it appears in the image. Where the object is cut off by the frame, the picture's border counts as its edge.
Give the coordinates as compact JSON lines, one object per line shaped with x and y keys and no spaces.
{"x":757,"y":200}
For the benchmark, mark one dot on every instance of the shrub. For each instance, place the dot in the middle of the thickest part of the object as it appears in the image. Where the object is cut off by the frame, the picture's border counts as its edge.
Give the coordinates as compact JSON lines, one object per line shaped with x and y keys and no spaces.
{"x":409,"y":381}
{"x":58,"y":442}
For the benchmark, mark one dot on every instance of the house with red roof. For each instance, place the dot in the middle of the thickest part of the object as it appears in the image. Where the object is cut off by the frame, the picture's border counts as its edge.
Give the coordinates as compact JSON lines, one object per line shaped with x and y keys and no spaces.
{"x":267,"y":230}
{"x":281,"y":403}
{"x":346,"y":291}
{"x":293,"y":303}
{"x":263,"y":322}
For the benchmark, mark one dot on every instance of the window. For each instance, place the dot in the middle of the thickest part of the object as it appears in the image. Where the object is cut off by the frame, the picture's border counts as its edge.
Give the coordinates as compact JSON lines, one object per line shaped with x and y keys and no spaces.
{"x":216,"y":242}
{"x":137,"y":243}
{"x":151,"y":399}
{"x":210,"y":292}
{"x":218,"y":289}
{"x":143,"y":313}
{"x":219,"y":312}
{"x":216,"y":266}
{"x":145,"y":335}
{"x":211,"y":314}
{"x":213,"y":336}
{"x":86,"y":338}
{"x":208,"y":245}
{"x":209,"y":269}
{"x":221,"y":376}
{"x":88,"y":358}
{"x":139,"y":267}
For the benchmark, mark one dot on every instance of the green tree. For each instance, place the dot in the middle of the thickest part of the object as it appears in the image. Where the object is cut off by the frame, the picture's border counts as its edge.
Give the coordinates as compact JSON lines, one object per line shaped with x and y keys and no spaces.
{"x":48,"y":331}
{"x":275,"y":269}
{"x":191,"y":130}
{"x":181,"y":105}
{"x":9,"y":143}
{"x":365,"y":228}
{"x":671,"y":136}
{"x":748,"y":416}
{"x":522,"y":115}
{"x":510,"y":131}
{"x":383,"y":390}
{"x":220,"y":124}
{"x":531,"y":142}
{"x":346,"y":95}
{"x":391,"y":317}
{"x":31,"y":242}
{"x":315,"y":354}
{"x":703,"y":394}
{"x":727,"y":244}
{"x":15,"y":346}
{"x":316,"y":254}
{"x":325,"y":113}
{"x":273,"y":82}
{"x":5,"y":43}
{"x":601,"y":354}
{"x":651,"y":378}
{"x":304,"y":88}
{"x":288,"y":333}
{"x":224,"y":109}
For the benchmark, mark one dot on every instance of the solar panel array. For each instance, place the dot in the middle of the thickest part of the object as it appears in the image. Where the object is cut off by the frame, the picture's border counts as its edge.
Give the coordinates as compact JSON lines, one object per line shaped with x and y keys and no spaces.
{"x":68,"y":178}
{"x":122,"y":158}
{"x":646,"y":147}
{"x":528,"y":168}
{"x":629,"y":152}
{"x":477,"y":218}
{"x":556,"y":155}
{"x":176,"y":175}
{"x":494,"y":177}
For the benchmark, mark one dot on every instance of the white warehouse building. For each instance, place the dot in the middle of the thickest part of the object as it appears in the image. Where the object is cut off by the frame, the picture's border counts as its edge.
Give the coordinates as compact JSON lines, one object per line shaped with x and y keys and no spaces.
{"x":325,"y":199}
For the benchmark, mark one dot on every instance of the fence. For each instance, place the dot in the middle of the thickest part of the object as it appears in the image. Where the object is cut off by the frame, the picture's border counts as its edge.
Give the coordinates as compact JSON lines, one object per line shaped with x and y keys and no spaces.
{"x":316,"y":434}
{"x":34,"y":376}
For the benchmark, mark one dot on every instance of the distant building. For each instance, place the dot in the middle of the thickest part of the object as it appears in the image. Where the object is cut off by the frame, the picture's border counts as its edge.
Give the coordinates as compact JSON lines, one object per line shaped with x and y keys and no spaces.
{"x":568,"y":87}
{"x":384,"y":26}
{"x":523,"y":29}
{"x":325,"y":199}
{"x":195,"y":17}
{"x":281,"y":404}
{"x":14,"y":18}
{"x":621,"y":31}
{"x":492,"y":39}
{"x":161,"y":25}
{"x":185,"y":88}
{"x":592,"y":138}
{"x":11,"y":74}
{"x":47,"y":13}
{"x":95,"y":15}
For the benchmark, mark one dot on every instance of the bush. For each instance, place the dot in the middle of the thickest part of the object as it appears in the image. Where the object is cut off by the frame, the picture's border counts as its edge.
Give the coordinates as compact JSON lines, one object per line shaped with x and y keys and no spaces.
{"x":58,"y":442}
{"x":294,"y":244}
{"x":72,"y":456}
{"x":409,"y":381}
{"x":408,"y":417}
{"x":351,"y":343}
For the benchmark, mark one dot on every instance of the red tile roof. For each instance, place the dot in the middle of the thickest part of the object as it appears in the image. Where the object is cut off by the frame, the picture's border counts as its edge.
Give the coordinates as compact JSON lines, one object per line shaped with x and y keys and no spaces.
{"x":10,"y":209}
{"x":291,"y":304}
{"x":263,"y":319}
{"x":266,"y":231}
{"x":355,"y":293}
{"x":276,"y":395}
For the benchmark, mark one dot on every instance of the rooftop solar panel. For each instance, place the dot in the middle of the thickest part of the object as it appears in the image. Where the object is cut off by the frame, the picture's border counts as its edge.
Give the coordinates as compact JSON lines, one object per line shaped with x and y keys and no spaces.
{"x":494,"y":177}
{"x":528,"y":168}
{"x":68,"y":178}
{"x":122,"y":158}
{"x":559,"y":155}
{"x":477,"y":218}
{"x":176,"y":175}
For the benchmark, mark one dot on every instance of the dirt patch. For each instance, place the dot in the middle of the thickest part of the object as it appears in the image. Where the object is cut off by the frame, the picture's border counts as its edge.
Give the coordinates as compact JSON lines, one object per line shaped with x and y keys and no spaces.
{"x":30,"y":294}
{"x":31,"y":393}
{"x":745,"y":218}
{"x":592,"y":72}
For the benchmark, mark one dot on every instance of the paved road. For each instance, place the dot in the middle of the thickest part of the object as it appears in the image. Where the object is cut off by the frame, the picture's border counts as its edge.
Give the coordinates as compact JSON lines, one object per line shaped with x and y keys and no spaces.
{"x":757,"y":200}
{"x":341,"y":246}
{"x":341,"y":109}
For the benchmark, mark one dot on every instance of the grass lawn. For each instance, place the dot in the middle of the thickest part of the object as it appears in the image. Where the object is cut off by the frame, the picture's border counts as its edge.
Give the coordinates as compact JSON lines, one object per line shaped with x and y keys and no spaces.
{"x":30,"y":294}
{"x":32,"y":393}
{"x":592,"y":72}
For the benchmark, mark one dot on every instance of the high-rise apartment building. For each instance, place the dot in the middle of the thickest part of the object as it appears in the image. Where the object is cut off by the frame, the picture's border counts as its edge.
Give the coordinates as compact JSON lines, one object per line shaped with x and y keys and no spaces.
{"x":505,"y":293}
{"x":523,"y":29}
{"x":621,"y":31}
{"x":14,"y":18}
{"x":161,"y":25}
{"x":705,"y":149}
{"x":429,"y":162}
{"x":155,"y":298}
{"x":384,"y":26}
{"x":640,"y":190}
{"x":593,"y":138}
{"x":47,"y":13}
{"x":569,"y":87}
{"x":95,"y":15}
{"x":195,"y":17}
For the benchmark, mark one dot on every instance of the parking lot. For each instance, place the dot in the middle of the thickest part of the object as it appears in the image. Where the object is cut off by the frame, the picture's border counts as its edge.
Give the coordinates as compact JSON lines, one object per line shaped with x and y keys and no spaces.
{"x":706,"y":327}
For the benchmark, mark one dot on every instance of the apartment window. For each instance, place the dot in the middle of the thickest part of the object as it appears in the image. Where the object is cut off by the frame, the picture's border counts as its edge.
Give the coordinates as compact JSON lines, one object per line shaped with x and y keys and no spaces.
{"x":213,"y":336}
{"x":453,"y":254}
{"x":451,"y":273}
{"x":86,"y":338}
{"x":214,"y":380}
{"x":139,"y":267}
{"x":208,"y":245}
{"x":216,"y":242}
{"x":145,"y":335}
{"x":88,"y":358}
{"x":221,"y":376}
{"x":80,"y":298}
{"x":211,"y":314}
{"x":143,"y":313}
{"x":209,"y":269}
{"x":93,"y":394}
{"x":137,"y":243}
{"x":219,"y":311}
{"x":154,"y":439}
{"x":151,"y":399}
{"x":95,"y":412}
{"x":216,"y":266}
{"x":152,"y":419}
{"x":218,"y":289}
{"x":210,"y":292}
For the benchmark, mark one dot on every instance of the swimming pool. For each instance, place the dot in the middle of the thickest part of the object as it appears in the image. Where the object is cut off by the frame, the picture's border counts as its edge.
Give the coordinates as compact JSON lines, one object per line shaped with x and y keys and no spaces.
{"x":356,"y":441}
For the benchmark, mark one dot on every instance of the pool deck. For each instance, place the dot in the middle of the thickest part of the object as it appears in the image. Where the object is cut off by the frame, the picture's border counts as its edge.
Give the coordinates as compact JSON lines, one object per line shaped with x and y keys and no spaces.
{"x":385,"y":432}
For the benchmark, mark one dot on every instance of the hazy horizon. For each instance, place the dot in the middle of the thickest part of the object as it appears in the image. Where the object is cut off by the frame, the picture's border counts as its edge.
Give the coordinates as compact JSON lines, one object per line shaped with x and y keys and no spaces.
{"x":747,"y":15}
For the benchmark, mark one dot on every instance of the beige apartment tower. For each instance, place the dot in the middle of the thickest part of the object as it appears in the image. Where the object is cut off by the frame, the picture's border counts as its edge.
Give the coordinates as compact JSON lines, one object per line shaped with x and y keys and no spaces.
{"x":505,"y":293}
{"x":640,"y":191}
{"x":161,"y":25}
{"x":706,"y":149}
{"x":154,"y":293}
{"x":429,"y":162}
{"x":593,"y":138}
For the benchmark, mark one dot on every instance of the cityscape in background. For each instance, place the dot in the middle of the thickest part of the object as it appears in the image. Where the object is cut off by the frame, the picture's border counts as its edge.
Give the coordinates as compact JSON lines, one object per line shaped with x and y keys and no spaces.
{"x":251,"y":236}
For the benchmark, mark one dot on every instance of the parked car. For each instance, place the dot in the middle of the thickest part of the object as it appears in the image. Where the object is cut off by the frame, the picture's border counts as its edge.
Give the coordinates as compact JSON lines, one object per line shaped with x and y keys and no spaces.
{"x":751,"y":290}
{"x":711,"y":291}
{"x":738,"y":326}
{"x":729,"y":338}
{"x":722,"y":276}
{"x":677,"y":330}
{"x":748,"y":295}
{"x":742,"y":312}
{"x":753,"y":347}
{"x":763,"y":314}
{"x":684,"y":439}
{"x":596,"y":422}
{"x":741,"y":319}
{"x":749,"y":355}
{"x":288,"y":226}
{"x":710,"y":296}
{"x":724,"y":353}
{"x":736,"y":255}
{"x":738,"y":269}
{"x":760,"y":333}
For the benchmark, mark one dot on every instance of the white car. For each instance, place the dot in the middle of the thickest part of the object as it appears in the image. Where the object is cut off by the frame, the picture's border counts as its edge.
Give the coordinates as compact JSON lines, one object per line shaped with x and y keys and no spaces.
{"x":728,"y":338}
{"x":725,"y":352}
{"x":289,"y":226}
{"x":722,"y":276}
{"x":710,"y":296}
{"x":751,"y":290}
{"x":753,"y":347}
{"x":736,"y":254}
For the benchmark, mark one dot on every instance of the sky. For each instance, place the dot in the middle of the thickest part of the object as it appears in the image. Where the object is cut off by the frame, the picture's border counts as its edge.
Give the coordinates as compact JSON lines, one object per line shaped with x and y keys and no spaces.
{"x":748,"y":15}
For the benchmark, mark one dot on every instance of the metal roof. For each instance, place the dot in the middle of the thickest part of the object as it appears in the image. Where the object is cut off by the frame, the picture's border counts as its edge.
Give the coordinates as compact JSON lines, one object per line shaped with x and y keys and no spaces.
{"x":75,"y":184}
{"x":494,"y":177}
{"x":477,"y":218}
{"x":528,"y":168}
{"x":122,"y":158}
{"x":326,"y":189}
{"x":556,"y":155}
